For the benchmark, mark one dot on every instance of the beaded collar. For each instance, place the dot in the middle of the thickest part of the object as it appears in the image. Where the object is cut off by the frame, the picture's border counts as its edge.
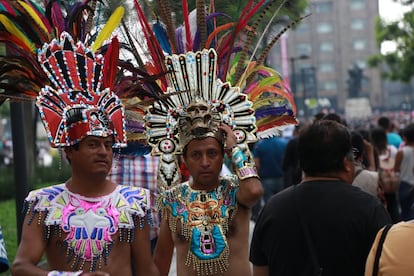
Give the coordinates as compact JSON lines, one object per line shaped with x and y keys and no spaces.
{"x":89,"y":223}
{"x":203,"y":218}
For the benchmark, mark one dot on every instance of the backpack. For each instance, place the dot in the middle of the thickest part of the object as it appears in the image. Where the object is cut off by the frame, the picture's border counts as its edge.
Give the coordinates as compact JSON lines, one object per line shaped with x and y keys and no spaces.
{"x":388,"y":179}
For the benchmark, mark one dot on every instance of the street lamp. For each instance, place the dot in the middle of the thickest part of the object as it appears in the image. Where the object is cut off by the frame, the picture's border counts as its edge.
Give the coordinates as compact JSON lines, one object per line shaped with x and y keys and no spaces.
{"x":293,"y":77}
{"x":293,"y":69}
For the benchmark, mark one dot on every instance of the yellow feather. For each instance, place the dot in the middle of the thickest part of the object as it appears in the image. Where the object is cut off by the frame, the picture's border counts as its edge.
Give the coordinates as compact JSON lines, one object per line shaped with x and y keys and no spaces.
{"x":109,"y":27}
{"x":14,"y":30}
{"x":34,"y":16}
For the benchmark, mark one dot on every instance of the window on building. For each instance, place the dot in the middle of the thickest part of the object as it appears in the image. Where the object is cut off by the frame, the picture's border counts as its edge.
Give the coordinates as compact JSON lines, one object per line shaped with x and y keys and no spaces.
{"x":357,"y":4}
{"x":324,"y":27}
{"x":326,"y":47}
{"x":361,"y":63}
{"x":303,"y":49}
{"x":359,"y":44}
{"x":303,"y":27}
{"x":323,"y":7}
{"x":328,"y":85}
{"x":357,"y":24}
{"x":326,"y":67}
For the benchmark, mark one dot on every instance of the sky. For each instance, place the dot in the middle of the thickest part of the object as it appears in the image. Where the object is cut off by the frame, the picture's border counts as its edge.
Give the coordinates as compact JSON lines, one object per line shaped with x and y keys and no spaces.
{"x":390,"y":11}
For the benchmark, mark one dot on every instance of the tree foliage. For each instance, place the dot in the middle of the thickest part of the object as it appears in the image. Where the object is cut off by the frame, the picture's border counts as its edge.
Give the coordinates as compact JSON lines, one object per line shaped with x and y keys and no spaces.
{"x":398,"y":62}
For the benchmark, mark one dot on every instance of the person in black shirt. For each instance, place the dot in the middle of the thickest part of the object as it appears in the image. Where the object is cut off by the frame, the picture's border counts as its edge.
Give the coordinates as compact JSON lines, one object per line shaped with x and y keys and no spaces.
{"x":324,"y":225}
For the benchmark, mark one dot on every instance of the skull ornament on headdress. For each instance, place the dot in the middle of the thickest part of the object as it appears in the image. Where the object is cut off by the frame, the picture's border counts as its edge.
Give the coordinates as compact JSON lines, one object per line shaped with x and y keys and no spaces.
{"x":78,"y":106}
{"x":198,"y":101}
{"x":199,"y":121}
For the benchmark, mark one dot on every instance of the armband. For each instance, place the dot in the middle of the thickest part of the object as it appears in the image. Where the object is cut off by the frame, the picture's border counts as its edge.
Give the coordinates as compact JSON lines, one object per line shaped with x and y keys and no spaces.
{"x":243,"y":168}
{"x":64,"y":273}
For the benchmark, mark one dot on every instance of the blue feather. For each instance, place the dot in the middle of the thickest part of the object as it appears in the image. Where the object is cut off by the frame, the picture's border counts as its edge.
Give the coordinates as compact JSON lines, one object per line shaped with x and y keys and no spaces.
{"x":162,"y":37}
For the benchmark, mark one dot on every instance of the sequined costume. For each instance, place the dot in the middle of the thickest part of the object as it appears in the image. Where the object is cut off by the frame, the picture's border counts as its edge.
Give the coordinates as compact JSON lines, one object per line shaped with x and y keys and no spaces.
{"x":88,"y":225}
{"x":203,"y":218}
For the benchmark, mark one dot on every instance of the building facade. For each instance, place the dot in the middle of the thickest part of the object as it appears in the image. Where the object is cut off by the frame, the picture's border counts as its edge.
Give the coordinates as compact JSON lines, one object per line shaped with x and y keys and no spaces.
{"x":338,"y":36}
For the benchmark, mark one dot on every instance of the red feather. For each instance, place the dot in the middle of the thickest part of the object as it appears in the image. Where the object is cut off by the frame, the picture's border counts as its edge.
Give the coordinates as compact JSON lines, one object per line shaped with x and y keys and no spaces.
{"x":152,"y":42}
{"x":8,"y":7}
{"x":188,"y":42}
{"x":110,"y":68}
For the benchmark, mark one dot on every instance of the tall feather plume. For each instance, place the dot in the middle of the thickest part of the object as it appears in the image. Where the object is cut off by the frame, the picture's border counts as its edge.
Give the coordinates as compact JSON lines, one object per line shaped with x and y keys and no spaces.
{"x":265,"y":32}
{"x":92,"y":5}
{"x":228,"y":45}
{"x":265,"y":52}
{"x":30,"y":11}
{"x":166,"y":16}
{"x":30,"y":23}
{"x":55,"y":16}
{"x":131,"y":44}
{"x":112,"y":23}
{"x":110,"y":68}
{"x":24,"y":28}
{"x":201,"y":23}
{"x":76,"y":21}
{"x":188,"y":41}
{"x":250,"y":35}
{"x":152,"y":43}
{"x":8,"y":8}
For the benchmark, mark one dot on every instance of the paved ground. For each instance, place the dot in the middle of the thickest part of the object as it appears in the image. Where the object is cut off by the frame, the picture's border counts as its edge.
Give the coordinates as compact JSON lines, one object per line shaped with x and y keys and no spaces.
{"x":173,"y":263}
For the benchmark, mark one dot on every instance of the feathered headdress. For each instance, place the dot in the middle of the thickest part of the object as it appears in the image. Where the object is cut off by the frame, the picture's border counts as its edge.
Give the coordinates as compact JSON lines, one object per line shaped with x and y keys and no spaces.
{"x":208,"y":64}
{"x":80,"y":105}
{"x":75,"y":98}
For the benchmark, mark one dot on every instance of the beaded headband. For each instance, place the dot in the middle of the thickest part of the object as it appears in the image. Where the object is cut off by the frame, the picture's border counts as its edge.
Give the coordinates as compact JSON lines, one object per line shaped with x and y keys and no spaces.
{"x":78,"y":106}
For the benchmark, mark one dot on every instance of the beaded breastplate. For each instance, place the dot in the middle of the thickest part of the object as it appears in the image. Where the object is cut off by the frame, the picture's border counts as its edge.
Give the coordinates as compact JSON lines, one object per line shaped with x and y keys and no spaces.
{"x":89,"y":223}
{"x":202,"y":218}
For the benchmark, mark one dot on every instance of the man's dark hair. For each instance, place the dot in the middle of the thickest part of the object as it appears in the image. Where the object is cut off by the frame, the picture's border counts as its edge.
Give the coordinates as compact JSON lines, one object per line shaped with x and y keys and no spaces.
{"x":409,"y":133}
{"x":323,"y":146}
{"x":75,"y":147}
{"x":358,"y":146}
{"x":334,"y":117}
{"x":379,"y":138}
{"x":384,"y":122}
{"x":186,"y":146}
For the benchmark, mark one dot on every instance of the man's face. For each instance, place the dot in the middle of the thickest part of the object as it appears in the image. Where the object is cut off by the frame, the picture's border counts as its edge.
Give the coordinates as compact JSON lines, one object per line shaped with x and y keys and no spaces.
{"x":204,"y":159}
{"x":93,"y":157}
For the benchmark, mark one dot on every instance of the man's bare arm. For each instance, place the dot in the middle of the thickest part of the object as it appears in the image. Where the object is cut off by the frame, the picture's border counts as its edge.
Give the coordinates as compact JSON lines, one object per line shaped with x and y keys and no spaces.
{"x":250,"y":189}
{"x":164,"y":248}
{"x":31,"y":249}
{"x":141,"y":252}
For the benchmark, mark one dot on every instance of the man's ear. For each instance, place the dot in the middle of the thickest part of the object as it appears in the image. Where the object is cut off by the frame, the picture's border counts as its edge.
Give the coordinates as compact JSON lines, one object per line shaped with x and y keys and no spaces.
{"x":348,"y":163}
{"x":182,"y":159}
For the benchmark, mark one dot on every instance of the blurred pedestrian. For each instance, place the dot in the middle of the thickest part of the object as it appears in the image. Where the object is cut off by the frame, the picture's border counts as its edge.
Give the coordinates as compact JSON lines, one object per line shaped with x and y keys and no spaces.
{"x":4,"y":261}
{"x":404,"y":164}
{"x":268,"y":155}
{"x":392,"y":251}
{"x":393,"y":138}
{"x":386,"y":154}
{"x":364,"y":179}
{"x":292,"y":172}
{"x":323,"y":226}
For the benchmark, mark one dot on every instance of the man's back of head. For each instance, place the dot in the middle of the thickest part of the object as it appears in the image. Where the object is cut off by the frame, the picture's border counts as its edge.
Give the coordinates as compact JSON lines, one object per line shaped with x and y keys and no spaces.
{"x":384,"y":122}
{"x":323,"y":146}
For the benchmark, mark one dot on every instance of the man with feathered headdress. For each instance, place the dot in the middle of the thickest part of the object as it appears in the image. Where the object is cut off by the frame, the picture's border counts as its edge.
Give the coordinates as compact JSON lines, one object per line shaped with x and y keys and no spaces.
{"x":87,"y":225}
